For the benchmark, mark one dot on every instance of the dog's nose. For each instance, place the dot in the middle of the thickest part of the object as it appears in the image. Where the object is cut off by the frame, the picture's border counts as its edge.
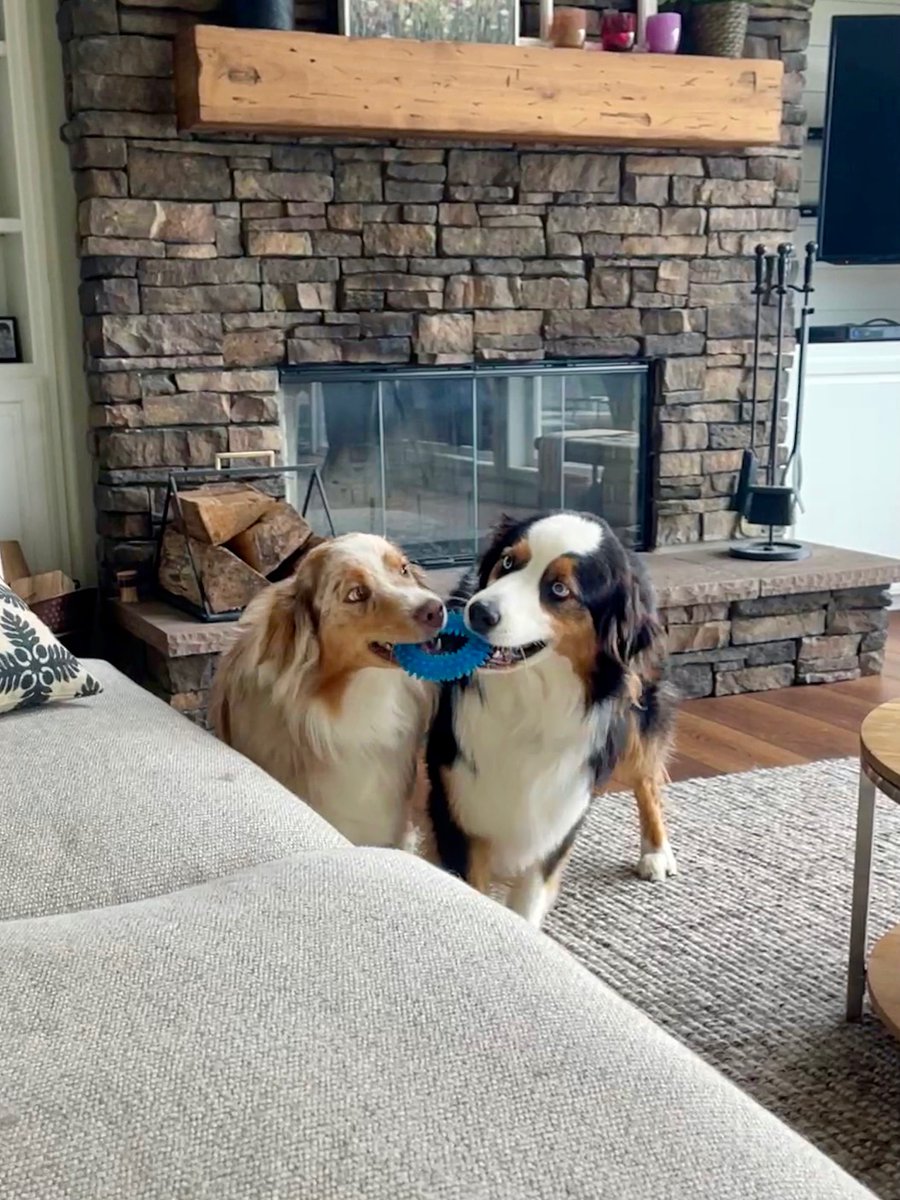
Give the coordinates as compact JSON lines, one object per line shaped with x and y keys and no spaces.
{"x":430,"y":615}
{"x":482,"y":615}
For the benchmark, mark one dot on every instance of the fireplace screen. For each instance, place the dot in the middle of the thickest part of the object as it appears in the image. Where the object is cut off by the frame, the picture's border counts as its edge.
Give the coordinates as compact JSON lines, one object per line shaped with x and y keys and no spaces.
{"x":432,"y":456}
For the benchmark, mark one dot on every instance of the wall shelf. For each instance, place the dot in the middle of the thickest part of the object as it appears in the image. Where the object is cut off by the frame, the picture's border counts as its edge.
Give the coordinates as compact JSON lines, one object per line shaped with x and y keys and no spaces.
{"x":307,"y":83}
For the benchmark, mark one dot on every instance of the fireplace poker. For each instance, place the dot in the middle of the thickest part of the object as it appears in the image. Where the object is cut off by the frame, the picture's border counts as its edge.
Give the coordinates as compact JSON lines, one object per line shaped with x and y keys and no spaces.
{"x":785,"y":251}
{"x":806,"y":290}
{"x":764,"y":268}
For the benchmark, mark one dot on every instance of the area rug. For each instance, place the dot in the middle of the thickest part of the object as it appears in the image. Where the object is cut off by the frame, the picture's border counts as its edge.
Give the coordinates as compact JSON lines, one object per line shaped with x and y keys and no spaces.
{"x":743,"y":955}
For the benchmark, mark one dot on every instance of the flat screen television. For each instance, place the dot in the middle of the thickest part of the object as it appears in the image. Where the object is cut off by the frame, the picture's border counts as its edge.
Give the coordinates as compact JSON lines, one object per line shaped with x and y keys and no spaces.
{"x":859,"y":199}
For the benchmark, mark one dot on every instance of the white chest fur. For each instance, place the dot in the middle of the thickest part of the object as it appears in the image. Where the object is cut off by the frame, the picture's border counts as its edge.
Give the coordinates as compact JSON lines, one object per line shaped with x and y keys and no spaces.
{"x":523,"y":779}
{"x":366,"y":754}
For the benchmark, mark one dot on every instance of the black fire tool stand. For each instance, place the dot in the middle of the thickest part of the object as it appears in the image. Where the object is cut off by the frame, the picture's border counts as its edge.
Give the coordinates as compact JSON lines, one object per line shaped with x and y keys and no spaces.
{"x":773,"y":503}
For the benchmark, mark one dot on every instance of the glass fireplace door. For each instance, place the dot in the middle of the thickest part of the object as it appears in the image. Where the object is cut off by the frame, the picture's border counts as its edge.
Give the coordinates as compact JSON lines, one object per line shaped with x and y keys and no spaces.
{"x":431,"y":457}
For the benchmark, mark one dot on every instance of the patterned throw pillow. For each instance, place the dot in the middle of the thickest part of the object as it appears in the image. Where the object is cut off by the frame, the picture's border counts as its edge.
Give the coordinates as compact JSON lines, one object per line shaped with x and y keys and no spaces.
{"x":34,"y":666}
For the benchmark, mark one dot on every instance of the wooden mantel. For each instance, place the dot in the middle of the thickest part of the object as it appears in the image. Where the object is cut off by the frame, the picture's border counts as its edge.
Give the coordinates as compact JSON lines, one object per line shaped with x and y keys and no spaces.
{"x":307,"y":83}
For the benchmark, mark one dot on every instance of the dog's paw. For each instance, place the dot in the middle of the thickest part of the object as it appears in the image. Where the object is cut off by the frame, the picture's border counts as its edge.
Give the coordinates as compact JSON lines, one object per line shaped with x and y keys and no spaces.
{"x":657,"y":865}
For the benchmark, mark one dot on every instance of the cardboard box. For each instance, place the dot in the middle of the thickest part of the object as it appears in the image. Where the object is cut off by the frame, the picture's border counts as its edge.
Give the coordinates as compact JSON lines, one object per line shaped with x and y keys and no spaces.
{"x":46,"y":586}
{"x":12,"y":562}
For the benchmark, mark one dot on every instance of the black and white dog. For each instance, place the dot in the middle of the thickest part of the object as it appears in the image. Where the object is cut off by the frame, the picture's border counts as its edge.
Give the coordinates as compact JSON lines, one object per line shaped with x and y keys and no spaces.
{"x":573,"y":690}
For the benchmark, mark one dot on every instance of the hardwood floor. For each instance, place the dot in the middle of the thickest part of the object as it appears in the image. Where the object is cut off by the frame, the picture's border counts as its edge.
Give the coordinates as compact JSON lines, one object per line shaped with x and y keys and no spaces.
{"x":778,"y":729}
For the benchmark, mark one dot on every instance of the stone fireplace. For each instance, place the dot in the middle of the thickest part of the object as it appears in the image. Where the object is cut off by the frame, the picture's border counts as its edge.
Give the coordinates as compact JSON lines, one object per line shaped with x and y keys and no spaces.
{"x":209,"y":263}
{"x":215,"y":266}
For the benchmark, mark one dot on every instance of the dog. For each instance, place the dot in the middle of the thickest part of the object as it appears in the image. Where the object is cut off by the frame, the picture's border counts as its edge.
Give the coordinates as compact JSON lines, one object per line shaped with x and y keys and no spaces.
{"x":311,"y":693}
{"x":574,"y":689}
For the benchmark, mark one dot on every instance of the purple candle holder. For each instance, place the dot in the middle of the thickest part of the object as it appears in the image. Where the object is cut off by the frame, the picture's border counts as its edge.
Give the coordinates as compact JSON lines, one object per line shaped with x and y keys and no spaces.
{"x":664,"y":33}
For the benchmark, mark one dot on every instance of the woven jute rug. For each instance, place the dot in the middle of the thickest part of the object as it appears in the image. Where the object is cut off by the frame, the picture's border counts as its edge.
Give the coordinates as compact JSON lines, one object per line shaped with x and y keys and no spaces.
{"x":743,"y":955}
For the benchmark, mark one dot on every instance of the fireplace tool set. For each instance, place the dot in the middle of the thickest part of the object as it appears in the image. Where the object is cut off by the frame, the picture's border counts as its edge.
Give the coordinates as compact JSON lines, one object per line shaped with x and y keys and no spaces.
{"x":766,"y":497}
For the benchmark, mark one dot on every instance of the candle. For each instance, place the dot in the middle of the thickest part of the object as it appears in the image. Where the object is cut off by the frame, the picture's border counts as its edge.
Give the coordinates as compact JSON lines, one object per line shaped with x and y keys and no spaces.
{"x":663,"y":33}
{"x":617,"y":30}
{"x":569,"y":28}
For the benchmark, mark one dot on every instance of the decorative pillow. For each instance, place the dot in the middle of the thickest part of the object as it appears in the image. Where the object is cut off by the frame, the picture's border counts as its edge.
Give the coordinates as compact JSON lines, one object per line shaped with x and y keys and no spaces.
{"x":34,"y":666}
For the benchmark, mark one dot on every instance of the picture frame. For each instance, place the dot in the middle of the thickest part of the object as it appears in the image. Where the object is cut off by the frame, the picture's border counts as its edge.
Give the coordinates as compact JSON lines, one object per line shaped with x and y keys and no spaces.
{"x":10,"y":345}
{"x":490,"y":21}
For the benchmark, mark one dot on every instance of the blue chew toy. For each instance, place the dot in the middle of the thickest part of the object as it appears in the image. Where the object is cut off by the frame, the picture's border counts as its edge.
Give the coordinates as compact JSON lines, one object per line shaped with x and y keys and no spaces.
{"x":454,"y":656}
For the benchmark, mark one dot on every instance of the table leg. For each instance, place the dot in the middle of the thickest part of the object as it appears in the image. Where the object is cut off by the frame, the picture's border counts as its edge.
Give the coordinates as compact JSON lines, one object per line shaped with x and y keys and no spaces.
{"x":862,"y":871}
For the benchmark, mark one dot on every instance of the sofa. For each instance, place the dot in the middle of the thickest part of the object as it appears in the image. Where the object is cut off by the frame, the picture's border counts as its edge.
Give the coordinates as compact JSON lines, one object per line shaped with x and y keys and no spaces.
{"x":207,"y":994}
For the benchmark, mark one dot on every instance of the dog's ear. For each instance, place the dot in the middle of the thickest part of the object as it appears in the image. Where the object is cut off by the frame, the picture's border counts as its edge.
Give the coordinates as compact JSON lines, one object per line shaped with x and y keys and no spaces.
{"x":502,"y":528}
{"x":289,"y":618}
{"x":497,"y":539}
{"x":306,"y":611}
{"x":629,"y":625}
{"x":629,"y":638}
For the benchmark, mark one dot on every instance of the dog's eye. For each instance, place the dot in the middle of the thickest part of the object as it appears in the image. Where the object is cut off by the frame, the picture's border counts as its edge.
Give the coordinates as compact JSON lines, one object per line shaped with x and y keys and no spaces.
{"x":507,"y":562}
{"x":560,"y":591}
{"x":404,"y":570}
{"x":357,"y":595}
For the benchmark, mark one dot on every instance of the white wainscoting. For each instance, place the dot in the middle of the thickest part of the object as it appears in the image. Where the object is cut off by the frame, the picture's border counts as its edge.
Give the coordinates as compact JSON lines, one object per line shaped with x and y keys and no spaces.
{"x":851,"y":448}
{"x":24,"y":492}
{"x":45,"y":472}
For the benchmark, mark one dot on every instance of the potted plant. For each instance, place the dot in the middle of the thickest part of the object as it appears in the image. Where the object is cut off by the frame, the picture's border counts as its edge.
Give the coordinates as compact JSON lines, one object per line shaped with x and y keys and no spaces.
{"x":717,"y":28}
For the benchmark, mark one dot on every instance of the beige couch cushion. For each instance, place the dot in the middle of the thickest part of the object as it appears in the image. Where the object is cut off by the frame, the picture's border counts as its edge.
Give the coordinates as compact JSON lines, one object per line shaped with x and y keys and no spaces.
{"x":353,"y":1025}
{"x":117,"y":797}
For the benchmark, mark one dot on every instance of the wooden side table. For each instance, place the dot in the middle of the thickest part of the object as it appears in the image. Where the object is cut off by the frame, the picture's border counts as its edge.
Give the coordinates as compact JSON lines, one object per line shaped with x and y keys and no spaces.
{"x":879,"y":771}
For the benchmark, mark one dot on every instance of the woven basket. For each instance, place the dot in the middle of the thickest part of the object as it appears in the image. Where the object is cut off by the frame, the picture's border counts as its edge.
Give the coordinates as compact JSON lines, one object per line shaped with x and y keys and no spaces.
{"x":719,"y":28}
{"x":70,"y":613}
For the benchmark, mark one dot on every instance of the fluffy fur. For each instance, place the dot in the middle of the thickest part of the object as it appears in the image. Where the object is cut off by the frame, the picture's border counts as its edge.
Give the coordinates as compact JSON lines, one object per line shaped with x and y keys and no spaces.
{"x":310,"y":693}
{"x":573,"y":690}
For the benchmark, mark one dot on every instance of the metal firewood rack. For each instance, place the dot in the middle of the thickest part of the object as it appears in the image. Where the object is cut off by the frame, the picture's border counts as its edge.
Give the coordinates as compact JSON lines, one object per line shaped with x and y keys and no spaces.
{"x":223,"y":474}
